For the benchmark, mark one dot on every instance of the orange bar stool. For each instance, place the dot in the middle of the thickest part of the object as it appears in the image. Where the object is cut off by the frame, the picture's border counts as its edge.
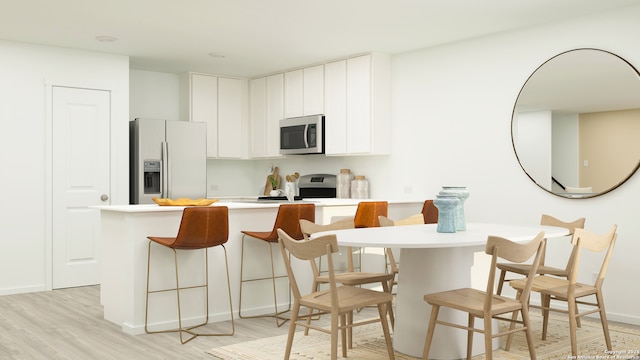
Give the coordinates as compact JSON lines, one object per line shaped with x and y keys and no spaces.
{"x":367,"y":213}
{"x":287,"y":219}
{"x":366,"y":216}
{"x":429,"y":212}
{"x":200,"y":228}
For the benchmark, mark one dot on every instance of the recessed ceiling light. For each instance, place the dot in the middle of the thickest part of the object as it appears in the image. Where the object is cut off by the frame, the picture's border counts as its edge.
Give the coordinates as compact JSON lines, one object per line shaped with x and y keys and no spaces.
{"x":216,"y":55}
{"x":106,"y":38}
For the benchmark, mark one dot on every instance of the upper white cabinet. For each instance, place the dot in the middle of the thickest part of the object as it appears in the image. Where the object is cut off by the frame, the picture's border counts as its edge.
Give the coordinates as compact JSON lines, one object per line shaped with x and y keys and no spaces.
{"x":304,"y":91}
{"x":358,"y":105}
{"x":354,"y":94}
{"x":220,"y":103}
{"x":266,"y":109}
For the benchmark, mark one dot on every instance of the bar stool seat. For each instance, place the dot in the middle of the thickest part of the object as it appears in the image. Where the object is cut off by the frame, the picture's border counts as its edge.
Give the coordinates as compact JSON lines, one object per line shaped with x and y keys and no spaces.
{"x":287,"y":219}
{"x":200,"y":228}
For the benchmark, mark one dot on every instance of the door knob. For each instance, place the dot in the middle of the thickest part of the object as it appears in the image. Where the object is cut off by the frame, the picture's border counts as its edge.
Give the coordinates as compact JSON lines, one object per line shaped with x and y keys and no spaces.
{"x":104,"y":197}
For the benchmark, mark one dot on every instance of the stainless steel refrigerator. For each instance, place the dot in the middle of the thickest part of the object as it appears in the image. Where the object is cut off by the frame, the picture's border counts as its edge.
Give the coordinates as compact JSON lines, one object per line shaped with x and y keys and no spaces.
{"x":168,"y":159}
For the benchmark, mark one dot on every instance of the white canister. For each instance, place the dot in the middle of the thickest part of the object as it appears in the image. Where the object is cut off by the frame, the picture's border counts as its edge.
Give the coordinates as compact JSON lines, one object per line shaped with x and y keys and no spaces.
{"x":343,"y":186}
{"x":359,"y":187}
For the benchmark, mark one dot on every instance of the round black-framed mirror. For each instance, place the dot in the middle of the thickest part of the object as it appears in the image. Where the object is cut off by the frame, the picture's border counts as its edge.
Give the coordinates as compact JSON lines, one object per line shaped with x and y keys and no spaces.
{"x":575,"y":126}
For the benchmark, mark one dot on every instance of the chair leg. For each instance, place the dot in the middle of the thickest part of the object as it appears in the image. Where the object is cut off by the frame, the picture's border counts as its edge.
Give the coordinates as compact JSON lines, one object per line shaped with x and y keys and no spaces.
{"x":276,"y":314}
{"x":241,"y":278}
{"x":546,"y":303}
{"x":572,"y":325}
{"x":180,"y":328}
{"x":432,"y":325}
{"x":349,"y":330}
{"x":386,"y":288}
{"x":292,"y":329}
{"x":334,"y":335}
{"x":603,"y":319}
{"x":177,"y":289}
{"x":343,"y":325}
{"x":315,"y":286}
{"x":470,"y":324}
{"x":512,"y":326}
{"x":146,"y":310}
{"x":528,"y":334}
{"x":275,"y":295}
{"x":488,"y":338}
{"x":385,"y":328}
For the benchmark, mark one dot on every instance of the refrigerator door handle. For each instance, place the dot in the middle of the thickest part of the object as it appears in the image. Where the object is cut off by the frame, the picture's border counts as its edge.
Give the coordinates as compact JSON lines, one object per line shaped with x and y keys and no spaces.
{"x":164,"y":181}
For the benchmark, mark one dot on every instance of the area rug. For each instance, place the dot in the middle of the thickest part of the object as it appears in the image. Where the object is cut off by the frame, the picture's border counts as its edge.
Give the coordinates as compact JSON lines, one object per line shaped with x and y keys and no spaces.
{"x":368,"y":344}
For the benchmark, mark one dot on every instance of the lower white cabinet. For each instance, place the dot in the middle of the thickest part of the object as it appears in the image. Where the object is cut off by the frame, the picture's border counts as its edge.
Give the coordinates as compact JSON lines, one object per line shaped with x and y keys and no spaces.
{"x":220,"y":102}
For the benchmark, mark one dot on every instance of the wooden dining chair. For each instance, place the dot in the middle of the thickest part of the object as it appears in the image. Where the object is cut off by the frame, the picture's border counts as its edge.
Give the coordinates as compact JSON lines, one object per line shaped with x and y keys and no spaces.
{"x":393,"y":266}
{"x":288,"y":219}
{"x":570,"y":290}
{"x":487,"y":305}
{"x":348,"y":276}
{"x":200,"y":228}
{"x":523,"y":269}
{"x":336,"y":300}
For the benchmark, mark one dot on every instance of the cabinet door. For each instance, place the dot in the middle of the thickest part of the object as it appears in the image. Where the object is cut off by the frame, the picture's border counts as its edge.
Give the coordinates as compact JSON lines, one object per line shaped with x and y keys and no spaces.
{"x":275,"y":112}
{"x":204,"y":107}
{"x":258,"y":117}
{"x":359,"y":109}
{"x":335,"y":107}
{"x":229,"y":118}
{"x":293,"y":93}
{"x":313,"y":90}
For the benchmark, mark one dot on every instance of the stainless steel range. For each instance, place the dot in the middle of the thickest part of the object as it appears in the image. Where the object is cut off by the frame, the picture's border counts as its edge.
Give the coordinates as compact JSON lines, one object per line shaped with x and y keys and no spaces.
{"x":317,"y":186}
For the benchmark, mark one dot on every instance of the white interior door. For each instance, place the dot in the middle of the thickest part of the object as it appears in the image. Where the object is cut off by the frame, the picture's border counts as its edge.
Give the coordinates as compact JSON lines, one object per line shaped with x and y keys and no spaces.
{"x":80,"y":178}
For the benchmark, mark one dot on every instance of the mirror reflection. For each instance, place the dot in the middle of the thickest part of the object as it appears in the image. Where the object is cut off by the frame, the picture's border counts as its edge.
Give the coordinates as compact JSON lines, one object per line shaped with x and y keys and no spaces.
{"x":576,"y":123}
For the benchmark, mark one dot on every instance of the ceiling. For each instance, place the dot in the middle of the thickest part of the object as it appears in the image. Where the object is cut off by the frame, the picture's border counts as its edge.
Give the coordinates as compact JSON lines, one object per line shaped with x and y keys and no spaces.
{"x":257,"y":37}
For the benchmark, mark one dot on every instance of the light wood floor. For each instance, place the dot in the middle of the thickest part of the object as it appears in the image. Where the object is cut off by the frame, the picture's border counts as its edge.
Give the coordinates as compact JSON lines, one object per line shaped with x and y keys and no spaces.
{"x":69,"y":324}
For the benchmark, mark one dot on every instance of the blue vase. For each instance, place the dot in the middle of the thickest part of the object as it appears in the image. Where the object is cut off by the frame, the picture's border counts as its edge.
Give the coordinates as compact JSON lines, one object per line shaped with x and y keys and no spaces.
{"x":462,"y":194}
{"x":446,"y":205}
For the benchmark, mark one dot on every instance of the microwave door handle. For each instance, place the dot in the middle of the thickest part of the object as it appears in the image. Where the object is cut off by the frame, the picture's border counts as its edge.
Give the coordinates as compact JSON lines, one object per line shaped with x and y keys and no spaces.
{"x":306,"y":136}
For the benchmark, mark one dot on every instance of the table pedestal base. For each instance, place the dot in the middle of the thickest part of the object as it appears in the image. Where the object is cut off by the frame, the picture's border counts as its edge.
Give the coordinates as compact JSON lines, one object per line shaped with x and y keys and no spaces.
{"x":428,"y":271}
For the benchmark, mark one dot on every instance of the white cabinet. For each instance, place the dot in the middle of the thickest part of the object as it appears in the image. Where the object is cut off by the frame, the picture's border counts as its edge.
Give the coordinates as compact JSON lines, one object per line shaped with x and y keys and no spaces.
{"x":266,"y":110}
{"x":304,"y":91}
{"x":358,"y":105}
{"x":220,"y":103}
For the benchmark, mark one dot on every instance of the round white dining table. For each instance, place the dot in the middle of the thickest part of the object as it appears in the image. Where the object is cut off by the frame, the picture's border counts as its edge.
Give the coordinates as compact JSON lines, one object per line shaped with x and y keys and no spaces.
{"x":433,"y":262}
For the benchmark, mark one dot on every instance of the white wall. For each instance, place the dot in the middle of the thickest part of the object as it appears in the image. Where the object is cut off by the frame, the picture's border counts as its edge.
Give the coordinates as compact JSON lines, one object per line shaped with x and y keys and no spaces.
{"x":452,"y":110}
{"x":27,"y":71}
{"x":453,"y":105}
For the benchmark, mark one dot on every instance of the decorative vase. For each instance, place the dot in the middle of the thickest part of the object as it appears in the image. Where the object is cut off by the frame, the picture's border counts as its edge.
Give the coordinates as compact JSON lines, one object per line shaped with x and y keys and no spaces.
{"x":462,"y":194}
{"x":359,"y":187}
{"x":290,"y":190}
{"x":274,"y":192}
{"x":446,"y":205}
{"x":343,"y":190}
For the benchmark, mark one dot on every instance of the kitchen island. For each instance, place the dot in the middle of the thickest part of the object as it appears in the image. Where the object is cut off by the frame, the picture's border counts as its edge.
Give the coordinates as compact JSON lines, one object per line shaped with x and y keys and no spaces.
{"x":124,"y":230}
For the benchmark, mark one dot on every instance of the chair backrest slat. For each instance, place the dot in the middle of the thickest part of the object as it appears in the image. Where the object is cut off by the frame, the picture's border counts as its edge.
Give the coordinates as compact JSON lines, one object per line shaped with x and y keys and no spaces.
{"x":583,"y":239}
{"x":307,"y":250}
{"x":202,"y":227}
{"x":501,"y":248}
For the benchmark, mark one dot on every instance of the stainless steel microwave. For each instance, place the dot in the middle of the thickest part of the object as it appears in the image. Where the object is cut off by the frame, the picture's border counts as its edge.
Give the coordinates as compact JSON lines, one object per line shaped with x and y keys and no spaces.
{"x":302,"y":135}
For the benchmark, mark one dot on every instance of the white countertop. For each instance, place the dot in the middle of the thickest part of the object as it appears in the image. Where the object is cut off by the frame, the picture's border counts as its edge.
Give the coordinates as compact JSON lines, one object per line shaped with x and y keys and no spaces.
{"x":247,"y":203}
